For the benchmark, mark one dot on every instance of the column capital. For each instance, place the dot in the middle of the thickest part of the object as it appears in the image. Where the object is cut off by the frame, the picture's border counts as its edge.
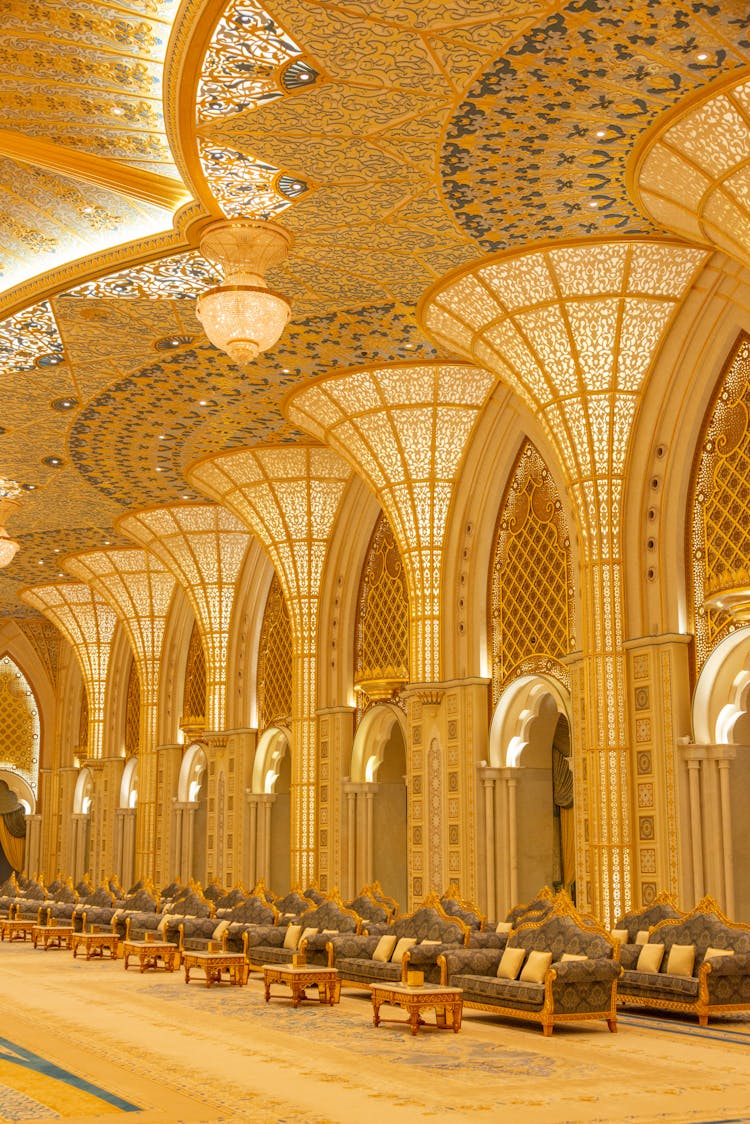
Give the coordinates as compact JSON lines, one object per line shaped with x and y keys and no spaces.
{"x":659,"y":641}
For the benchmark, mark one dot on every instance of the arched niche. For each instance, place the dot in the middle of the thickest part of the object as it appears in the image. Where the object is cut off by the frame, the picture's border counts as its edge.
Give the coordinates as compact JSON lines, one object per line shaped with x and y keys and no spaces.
{"x":22,"y":789}
{"x":129,"y":784}
{"x":83,"y":794}
{"x":533,"y":834}
{"x":376,"y":829}
{"x":270,"y":808}
{"x":83,"y":800}
{"x":191,"y":816}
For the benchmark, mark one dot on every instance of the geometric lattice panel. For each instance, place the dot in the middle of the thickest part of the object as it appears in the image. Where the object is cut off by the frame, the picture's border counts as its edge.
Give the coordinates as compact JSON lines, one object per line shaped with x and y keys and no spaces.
{"x":19,"y":723}
{"x":133,"y":712}
{"x":194,"y":695}
{"x":532,"y":589}
{"x":720,"y":531}
{"x":275,"y":661}
{"x":382,"y":626}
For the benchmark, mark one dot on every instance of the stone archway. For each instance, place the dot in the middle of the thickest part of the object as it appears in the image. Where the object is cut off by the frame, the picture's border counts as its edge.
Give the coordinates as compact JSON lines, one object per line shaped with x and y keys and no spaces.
{"x":124,"y":841}
{"x":528,"y":794}
{"x":190,"y":817}
{"x":268,"y":829}
{"x":376,"y":803}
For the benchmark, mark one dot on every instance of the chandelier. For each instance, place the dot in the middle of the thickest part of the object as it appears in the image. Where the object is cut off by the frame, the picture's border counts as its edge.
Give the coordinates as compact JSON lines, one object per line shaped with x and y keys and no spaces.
{"x":242,"y":316}
{"x":9,"y":505}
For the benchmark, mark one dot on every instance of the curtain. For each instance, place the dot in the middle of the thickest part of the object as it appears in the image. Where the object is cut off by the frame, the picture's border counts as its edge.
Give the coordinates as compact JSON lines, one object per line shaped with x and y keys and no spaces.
{"x":568,"y":846}
{"x":13,"y":845}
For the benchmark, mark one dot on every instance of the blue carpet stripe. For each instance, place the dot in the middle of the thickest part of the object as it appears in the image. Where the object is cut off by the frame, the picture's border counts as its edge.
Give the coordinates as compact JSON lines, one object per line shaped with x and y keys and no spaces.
{"x":25,"y":1058}
{"x":735,"y":1037}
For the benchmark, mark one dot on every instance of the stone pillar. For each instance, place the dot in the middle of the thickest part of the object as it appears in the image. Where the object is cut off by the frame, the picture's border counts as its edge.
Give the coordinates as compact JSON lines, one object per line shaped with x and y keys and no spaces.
{"x":33,"y":849}
{"x":169,"y":759}
{"x":66,"y":844}
{"x":81,"y":844}
{"x":335,"y":740}
{"x":709,"y":803}
{"x":124,"y":846}
{"x":490,"y":781}
{"x":250,"y":873}
{"x":659,"y":712}
{"x":350,"y":882}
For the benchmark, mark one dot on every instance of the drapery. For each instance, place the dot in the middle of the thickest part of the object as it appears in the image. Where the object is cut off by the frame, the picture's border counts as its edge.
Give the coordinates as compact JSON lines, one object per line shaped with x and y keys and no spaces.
{"x":13,"y":845}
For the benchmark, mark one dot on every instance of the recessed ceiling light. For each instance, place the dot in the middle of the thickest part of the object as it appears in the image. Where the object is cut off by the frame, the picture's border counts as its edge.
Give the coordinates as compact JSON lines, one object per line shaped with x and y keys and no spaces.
{"x":118,"y":110}
{"x":106,"y":542}
{"x":29,"y":487}
{"x":57,"y":550}
{"x":159,"y":469}
{"x":203,"y":402}
{"x":593,"y":203}
{"x":52,"y":462}
{"x":64,"y":403}
{"x":601,"y":132}
{"x":41,"y":562}
{"x":186,"y":497}
{"x":702,"y":56}
{"x":162,"y":437}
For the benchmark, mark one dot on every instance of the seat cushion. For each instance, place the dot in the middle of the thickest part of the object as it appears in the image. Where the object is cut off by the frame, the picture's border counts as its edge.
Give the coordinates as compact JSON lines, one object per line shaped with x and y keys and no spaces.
{"x":509,"y":993}
{"x":658,"y":985}
{"x":366,"y":970}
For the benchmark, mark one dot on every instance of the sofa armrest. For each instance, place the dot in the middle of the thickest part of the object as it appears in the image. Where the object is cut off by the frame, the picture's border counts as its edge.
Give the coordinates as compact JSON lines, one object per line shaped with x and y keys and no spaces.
{"x":587,"y":971}
{"x":736,"y":965}
{"x":319,"y":942}
{"x":629,"y":954}
{"x":469,"y":962}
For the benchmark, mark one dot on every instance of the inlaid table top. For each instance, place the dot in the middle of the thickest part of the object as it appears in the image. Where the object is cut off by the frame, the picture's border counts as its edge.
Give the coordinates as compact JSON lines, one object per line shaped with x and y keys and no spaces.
{"x":415,"y":1000}
{"x":17,"y":928}
{"x":214,"y":963}
{"x":96,"y":944}
{"x":149,"y":953}
{"x":298,"y":977}
{"x":52,"y":936}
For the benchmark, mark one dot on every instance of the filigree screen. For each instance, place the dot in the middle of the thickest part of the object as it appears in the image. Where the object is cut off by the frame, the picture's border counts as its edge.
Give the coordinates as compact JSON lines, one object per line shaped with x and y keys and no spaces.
{"x":19,"y":723}
{"x":88,"y":624}
{"x":194,"y":693}
{"x":405,"y":429}
{"x":531,"y":601}
{"x":83,"y":722}
{"x":275,"y":661}
{"x":382,"y":624}
{"x":133,"y":712}
{"x":720,"y":528}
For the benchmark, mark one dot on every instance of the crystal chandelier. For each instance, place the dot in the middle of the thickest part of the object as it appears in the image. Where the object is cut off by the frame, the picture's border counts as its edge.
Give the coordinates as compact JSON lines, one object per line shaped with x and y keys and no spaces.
{"x":242,"y":316}
{"x":9,"y":505}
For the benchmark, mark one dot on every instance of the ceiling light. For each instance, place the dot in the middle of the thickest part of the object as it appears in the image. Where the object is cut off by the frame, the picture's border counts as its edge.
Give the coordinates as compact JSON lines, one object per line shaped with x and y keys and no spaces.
{"x":243,"y":316}
{"x":702,"y":56}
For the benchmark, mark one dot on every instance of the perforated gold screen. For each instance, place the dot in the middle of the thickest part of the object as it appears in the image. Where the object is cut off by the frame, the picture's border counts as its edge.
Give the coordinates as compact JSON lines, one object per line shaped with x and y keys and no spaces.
{"x":19,"y":723}
{"x":531,"y":600}
{"x":382,"y":625}
{"x":720,"y":529}
{"x":275,"y":661}
{"x":83,"y":722}
{"x":194,"y":695}
{"x":133,"y":712}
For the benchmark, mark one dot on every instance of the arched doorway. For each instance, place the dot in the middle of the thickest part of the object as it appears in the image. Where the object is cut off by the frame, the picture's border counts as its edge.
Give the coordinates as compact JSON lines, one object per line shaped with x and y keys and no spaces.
{"x":124,"y":850}
{"x":270,"y":811}
{"x":528,"y":784}
{"x":83,"y":799}
{"x":715,"y":781}
{"x":376,"y":804}
{"x":190,"y":817}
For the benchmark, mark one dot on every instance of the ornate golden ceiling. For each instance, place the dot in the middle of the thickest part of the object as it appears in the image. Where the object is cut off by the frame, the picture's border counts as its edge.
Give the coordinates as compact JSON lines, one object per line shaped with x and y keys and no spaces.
{"x":397,"y":139}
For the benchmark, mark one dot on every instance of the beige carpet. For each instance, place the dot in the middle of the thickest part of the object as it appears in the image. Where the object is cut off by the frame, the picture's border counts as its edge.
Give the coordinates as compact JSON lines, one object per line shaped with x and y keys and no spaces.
{"x":187,"y":1053}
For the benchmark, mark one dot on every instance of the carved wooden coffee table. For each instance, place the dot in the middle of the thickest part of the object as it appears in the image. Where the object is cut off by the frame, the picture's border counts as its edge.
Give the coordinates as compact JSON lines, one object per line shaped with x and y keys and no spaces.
{"x":52,"y":936}
{"x":300,"y":977}
{"x":149,"y":953}
{"x":214,"y":963}
{"x":96,"y":944}
{"x":17,"y":929}
{"x":415,"y":1000}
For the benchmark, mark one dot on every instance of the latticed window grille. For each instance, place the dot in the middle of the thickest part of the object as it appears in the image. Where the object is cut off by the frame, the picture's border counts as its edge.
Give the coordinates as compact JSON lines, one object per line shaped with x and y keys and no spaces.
{"x":531,"y":596}
{"x":719,"y":547}
{"x":83,"y":722}
{"x":133,"y":712}
{"x":19,"y":723}
{"x":194,"y":694}
{"x":275,"y":661}
{"x":381,"y":649}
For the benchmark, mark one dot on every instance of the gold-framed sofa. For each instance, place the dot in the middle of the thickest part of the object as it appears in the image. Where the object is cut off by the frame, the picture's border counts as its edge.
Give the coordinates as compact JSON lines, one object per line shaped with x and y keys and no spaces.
{"x":718,"y":980}
{"x":580,"y":981}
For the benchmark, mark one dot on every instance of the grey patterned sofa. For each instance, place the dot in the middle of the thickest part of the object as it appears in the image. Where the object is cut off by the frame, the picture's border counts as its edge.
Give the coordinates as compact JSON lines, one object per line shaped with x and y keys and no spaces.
{"x":429,"y":926}
{"x":717,"y":984}
{"x":569,"y":989}
{"x":534,"y":910}
{"x":313,"y":930}
{"x":662,"y":908}
{"x":372,"y":910}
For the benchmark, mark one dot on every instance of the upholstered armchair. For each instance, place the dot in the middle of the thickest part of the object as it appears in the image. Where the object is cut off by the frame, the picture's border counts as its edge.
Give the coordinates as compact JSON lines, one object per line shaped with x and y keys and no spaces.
{"x":309,"y":935}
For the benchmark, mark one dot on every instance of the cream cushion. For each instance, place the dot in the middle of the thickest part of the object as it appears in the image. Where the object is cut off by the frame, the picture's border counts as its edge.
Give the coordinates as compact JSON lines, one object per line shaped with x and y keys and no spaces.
{"x":681,"y":960}
{"x":220,"y":930}
{"x":649,"y":959}
{"x":309,"y":932}
{"x":573,"y":956}
{"x":641,"y":937}
{"x":718,"y":952}
{"x":430,"y":942}
{"x":620,"y":935}
{"x":385,"y":947}
{"x":503,"y":927}
{"x":536,"y":966}
{"x":292,"y":936}
{"x":401,"y":947}
{"x":327,"y":932}
{"x":510,"y":963}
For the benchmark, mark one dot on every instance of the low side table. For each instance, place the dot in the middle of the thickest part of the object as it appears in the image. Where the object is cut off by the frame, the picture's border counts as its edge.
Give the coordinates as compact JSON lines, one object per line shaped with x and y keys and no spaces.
{"x":17,"y":929}
{"x":149,"y":953}
{"x":415,"y":1000}
{"x":95,"y":944}
{"x":52,"y":936}
{"x":326,"y":980}
{"x":214,"y":963}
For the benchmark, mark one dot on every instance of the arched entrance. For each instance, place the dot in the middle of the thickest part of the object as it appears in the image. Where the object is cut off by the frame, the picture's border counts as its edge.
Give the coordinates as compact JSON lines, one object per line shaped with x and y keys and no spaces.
{"x":124,"y":850}
{"x":715,"y":781}
{"x":528,"y":794}
{"x":190,"y":817}
{"x":269,"y":811}
{"x":376,"y":839}
{"x":83,"y":798}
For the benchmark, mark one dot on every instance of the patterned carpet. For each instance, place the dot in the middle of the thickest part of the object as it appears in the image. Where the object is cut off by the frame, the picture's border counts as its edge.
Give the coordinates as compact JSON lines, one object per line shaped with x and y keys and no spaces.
{"x":87,"y":1041}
